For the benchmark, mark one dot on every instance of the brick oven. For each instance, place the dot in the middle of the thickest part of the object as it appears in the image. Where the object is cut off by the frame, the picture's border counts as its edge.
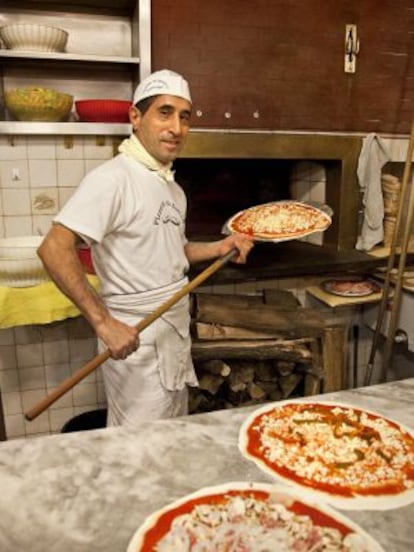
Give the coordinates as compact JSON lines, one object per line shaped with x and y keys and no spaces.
{"x":224,"y":171}
{"x":267,"y":155}
{"x":265,"y":346}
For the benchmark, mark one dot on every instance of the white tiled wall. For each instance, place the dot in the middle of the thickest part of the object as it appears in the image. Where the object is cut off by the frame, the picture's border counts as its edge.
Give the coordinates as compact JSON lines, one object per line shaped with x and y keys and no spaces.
{"x":33,"y":361}
{"x":39,"y":173}
{"x":308,"y":182}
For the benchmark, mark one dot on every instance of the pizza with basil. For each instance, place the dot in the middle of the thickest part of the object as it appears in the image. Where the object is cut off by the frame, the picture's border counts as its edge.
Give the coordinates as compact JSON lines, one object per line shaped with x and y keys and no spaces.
{"x":350,"y":457}
{"x":249,"y":517}
{"x":279,"y":221}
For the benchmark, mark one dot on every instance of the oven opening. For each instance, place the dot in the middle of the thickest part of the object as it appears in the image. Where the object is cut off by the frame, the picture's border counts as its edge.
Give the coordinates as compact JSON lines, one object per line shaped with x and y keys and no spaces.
{"x":218,"y":188}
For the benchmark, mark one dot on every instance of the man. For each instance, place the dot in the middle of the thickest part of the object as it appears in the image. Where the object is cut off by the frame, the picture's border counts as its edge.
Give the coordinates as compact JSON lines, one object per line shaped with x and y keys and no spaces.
{"x":132,"y":214}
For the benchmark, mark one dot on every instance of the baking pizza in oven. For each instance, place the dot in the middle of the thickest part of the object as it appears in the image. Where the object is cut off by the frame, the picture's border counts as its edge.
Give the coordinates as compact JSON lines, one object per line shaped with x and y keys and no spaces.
{"x":279,"y":221}
{"x":349,"y":457}
{"x":249,"y":517}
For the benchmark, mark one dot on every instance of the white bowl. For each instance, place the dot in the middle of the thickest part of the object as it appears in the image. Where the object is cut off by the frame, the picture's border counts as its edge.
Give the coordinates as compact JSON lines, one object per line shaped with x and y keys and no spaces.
{"x":19,"y":264}
{"x":31,"y":37}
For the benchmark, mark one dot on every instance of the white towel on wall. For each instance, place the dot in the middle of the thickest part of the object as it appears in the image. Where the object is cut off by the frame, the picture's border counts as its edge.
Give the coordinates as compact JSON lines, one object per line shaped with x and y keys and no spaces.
{"x":372,"y":158}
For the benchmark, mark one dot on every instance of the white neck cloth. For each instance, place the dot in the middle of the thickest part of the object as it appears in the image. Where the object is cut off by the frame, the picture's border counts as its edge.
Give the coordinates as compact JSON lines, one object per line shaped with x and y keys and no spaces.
{"x":133,"y":148}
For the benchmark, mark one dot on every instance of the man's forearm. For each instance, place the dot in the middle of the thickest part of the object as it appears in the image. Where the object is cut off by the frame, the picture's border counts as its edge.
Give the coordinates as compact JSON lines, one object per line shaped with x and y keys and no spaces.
{"x":64,"y":267}
{"x":204,"y":251}
{"x":201,"y":251}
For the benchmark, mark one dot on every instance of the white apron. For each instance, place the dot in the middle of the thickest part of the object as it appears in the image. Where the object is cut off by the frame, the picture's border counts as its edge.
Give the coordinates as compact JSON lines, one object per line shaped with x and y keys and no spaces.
{"x":151,"y":383}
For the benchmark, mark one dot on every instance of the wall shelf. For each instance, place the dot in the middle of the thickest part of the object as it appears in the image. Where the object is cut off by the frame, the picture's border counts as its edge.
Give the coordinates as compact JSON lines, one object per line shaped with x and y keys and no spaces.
{"x":50,"y":56}
{"x":15,"y":128}
{"x":107,"y":55}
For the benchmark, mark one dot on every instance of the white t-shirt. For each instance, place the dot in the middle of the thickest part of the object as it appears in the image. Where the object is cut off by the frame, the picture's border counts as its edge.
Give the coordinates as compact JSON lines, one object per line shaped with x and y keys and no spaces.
{"x":135,"y":223}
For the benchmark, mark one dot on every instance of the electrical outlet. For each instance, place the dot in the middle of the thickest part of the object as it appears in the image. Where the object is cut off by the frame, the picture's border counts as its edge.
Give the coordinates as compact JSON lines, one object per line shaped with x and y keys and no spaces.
{"x":16,"y":174}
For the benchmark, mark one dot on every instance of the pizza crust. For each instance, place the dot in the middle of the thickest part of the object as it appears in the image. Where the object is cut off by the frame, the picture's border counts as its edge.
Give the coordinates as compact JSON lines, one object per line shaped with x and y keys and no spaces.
{"x":358,"y":539}
{"x":355,"y":502}
{"x":279,"y":221}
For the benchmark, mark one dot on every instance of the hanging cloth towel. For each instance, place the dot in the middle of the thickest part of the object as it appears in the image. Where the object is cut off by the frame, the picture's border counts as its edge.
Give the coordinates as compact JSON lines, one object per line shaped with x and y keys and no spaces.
{"x":372,"y":158}
{"x":133,"y":148}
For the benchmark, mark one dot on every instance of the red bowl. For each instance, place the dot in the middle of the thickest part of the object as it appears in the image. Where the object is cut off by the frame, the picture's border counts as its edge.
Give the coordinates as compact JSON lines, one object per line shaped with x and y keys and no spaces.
{"x":84,"y":254}
{"x":103,"y":111}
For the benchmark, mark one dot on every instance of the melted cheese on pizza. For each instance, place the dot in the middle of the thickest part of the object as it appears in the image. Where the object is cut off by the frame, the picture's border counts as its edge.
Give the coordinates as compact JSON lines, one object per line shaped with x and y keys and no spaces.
{"x":340,"y":450}
{"x":280,"y":219}
{"x":247,"y":524}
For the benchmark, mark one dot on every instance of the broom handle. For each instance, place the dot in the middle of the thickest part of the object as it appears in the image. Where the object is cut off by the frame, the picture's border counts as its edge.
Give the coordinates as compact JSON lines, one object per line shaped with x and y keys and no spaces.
{"x":93,"y":364}
{"x":391,"y":259}
{"x":396,"y":300}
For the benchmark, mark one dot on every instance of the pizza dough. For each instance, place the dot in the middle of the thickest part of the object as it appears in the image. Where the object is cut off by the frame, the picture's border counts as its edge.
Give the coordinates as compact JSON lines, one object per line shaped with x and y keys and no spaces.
{"x":347,"y":456}
{"x":253,"y":517}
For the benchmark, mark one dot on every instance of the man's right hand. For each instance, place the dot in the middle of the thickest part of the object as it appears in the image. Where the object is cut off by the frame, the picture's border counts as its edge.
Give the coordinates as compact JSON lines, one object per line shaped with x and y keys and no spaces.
{"x":120,"y":339}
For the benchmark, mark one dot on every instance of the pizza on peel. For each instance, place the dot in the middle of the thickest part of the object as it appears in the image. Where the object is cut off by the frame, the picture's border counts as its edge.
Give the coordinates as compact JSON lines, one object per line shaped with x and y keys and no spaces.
{"x":279,"y":221}
{"x":249,"y":517}
{"x":350,"y":457}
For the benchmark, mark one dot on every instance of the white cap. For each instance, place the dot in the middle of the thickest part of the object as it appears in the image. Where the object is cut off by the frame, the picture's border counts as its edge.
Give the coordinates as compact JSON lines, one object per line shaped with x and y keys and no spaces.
{"x":162,"y":82}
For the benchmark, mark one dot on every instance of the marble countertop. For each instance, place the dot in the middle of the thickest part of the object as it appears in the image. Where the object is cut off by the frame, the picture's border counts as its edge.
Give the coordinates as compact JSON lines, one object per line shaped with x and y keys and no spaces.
{"x":89,"y":491}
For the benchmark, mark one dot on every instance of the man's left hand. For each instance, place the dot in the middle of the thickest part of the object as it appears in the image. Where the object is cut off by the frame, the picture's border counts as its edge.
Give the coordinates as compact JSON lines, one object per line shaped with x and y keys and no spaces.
{"x":242,"y":242}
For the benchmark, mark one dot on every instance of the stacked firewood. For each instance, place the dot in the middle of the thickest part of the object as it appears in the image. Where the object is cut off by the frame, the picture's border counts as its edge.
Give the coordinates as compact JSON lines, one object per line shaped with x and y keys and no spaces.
{"x":259,"y":357}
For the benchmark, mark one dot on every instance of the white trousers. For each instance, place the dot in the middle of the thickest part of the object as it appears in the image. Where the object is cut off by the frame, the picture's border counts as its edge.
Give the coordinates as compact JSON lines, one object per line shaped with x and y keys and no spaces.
{"x":151,"y":383}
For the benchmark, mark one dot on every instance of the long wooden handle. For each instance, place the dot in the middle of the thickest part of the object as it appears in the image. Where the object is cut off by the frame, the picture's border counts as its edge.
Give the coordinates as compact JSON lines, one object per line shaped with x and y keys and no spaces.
{"x":391,"y":260}
{"x":80,"y":374}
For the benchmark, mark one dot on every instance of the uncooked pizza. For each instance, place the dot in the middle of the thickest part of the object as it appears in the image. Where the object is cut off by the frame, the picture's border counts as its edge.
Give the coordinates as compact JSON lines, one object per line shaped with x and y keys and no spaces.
{"x":249,"y":517}
{"x":279,"y":221}
{"x":350,"y":457}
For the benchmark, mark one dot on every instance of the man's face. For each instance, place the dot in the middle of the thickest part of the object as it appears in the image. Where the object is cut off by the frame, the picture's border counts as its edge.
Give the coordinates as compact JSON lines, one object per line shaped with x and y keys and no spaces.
{"x":163,"y":127}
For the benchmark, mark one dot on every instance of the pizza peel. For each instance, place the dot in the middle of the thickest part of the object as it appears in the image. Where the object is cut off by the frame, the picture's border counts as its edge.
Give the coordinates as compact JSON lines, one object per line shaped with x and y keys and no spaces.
{"x":93,"y":364}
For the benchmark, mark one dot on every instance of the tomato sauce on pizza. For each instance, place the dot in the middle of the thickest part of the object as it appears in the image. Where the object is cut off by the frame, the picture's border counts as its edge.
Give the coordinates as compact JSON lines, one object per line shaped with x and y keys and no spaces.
{"x":335,"y":449}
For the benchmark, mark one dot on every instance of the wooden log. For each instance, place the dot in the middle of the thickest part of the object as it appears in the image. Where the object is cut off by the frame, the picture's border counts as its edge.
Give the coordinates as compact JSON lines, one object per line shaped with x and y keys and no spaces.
{"x":285,"y":367}
{"x":268,"y":387}
{"x":214,"y":366}
{"x":334,"y":352}
{"x":255,"y":391}
{"x":289,"y":383}
{"x":202,"y":331}
{"x":239,"y":378}
{"x":246,"y":370}
{"x":314,"y":373}
{"x":198,"y":401}
{"x":217,"y":309}
{"x":195,"y":401}
{"x":276,"y":395}
{"x":210,"y":382}
{"x":237,"y":398}
{"x":250,"y":349}
{"x":265,"y":371}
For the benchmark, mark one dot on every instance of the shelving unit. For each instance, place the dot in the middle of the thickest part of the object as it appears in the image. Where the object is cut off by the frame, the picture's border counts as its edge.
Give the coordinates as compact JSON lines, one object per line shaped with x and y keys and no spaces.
{"x":108,"y":53}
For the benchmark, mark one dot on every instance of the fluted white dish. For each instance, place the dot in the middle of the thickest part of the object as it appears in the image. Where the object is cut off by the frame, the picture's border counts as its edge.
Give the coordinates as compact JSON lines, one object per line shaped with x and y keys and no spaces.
{"x":34,"y":37}
{"x":19,"y":264}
